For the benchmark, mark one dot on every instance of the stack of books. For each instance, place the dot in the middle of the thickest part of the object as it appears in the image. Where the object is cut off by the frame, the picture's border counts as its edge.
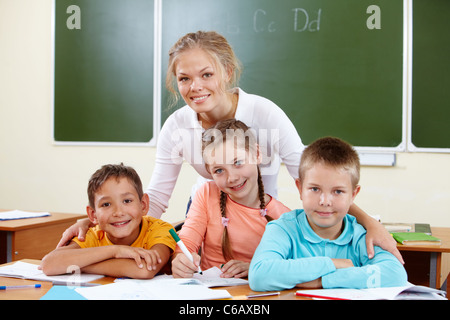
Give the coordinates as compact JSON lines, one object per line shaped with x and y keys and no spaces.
{"x":415,"y":238}
{"x":412,"y":234}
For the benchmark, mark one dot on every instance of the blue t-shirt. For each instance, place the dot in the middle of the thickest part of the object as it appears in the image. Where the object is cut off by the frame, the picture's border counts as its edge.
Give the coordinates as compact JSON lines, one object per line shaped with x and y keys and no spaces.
{"x":290,"y":252}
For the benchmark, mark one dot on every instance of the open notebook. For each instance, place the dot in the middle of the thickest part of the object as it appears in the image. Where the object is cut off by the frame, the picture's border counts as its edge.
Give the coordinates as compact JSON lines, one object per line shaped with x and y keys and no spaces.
{"x":30,"y":271}
{"x":410,"y":292}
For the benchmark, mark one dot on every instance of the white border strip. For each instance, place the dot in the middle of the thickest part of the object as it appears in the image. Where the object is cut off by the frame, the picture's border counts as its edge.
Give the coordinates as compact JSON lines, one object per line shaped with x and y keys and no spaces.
{"x":157,"y":58}
{"x":377,"y":159}
{"x":53,"y":31}
{"x":406,"y":73}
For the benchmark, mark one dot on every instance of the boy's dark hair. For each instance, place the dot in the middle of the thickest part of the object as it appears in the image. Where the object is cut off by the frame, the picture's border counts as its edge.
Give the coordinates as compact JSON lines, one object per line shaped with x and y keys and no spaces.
{"x":333,"y":152}
{"x":112,"y":170}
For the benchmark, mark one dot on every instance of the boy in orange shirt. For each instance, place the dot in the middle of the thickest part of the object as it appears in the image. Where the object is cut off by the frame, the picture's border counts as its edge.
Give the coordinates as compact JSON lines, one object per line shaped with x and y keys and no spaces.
{"x":125,"y":242}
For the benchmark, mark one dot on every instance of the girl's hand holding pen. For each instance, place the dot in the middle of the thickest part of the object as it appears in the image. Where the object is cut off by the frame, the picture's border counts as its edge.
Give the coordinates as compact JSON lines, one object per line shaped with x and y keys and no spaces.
{"x":182,"y":267}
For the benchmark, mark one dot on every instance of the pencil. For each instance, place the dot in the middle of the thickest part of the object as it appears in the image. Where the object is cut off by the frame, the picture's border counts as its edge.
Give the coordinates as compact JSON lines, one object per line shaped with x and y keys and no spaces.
{"x":317,"y":296}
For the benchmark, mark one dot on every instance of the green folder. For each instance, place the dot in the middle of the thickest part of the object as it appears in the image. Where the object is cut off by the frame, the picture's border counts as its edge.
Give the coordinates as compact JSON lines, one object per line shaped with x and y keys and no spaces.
{"x":415,"y":238}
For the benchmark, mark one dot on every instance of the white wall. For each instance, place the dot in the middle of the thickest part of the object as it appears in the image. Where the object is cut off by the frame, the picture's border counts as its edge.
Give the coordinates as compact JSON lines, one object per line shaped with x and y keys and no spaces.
{"x":36,"y":175}
{"x":417,"y":189}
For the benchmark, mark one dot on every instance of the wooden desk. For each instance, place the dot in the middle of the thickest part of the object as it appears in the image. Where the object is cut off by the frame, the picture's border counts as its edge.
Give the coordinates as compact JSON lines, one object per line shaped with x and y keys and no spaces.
{"x":33,"y":238}
{"x":36,"y":294}
{"x":32,"y":293}
{"x":434,"y":273}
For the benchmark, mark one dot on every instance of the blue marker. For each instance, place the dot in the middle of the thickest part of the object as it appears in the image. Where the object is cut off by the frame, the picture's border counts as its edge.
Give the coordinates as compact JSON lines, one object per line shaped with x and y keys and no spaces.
{"x":20,"y":287}
{"x":183,"y":248}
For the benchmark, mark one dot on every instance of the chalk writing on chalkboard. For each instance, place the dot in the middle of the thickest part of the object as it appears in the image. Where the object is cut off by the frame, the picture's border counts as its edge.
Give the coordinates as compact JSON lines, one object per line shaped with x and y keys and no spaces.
{"x":334,"y":67}
{"x":74,"y":20}
{"x":302,"y":21}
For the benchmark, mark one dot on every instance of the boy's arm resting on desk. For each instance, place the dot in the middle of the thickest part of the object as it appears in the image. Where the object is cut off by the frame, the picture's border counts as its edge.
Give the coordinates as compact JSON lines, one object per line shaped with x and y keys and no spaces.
{"x":273,"y":268}
{"x":383,"y":270}
{"x":111,"y":260}
{"x":122,"y":267}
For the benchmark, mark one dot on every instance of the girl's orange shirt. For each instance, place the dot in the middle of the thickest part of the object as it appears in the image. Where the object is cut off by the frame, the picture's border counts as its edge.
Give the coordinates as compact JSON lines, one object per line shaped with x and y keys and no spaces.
{"x":203,"y":227}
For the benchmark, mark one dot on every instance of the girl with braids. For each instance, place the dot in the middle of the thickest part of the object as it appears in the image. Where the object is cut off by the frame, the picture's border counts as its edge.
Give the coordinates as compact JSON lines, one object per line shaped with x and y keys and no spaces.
{"x":228,"y":215}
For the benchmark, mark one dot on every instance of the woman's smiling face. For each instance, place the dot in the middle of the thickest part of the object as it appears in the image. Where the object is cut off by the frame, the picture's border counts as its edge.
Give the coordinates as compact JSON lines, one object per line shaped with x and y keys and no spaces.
{"x":199,"y":82}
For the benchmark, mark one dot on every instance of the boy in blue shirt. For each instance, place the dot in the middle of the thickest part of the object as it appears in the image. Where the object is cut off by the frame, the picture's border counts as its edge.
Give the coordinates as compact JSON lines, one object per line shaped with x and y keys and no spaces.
{"x":321,"y":246}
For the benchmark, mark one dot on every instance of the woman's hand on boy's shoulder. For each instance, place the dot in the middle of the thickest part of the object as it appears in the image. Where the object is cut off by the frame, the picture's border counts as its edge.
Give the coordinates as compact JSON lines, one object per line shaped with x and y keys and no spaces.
{"x":377,"y":235}
{"x":79,"y":229}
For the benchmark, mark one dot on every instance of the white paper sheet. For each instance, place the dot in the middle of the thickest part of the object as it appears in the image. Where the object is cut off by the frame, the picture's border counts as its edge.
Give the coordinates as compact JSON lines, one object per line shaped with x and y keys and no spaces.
{"x":165,"y":287}
{"x":30,"y":271}
{"x":410,"y":292}
{"x":18,"y":214}
{"x":210,"y":278}
{"x":162,"y":289}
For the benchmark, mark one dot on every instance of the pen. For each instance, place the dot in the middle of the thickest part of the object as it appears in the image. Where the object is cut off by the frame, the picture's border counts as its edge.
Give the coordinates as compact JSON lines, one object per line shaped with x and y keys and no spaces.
{"x":20,"y":287}
{"x":256,"y":296}
{"x":183,"y":248}
{"x":72,"y":284}
{"x":317,"y":296}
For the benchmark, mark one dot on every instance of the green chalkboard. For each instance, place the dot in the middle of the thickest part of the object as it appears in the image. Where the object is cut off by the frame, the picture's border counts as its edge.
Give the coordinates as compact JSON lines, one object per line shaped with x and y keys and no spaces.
{"x":332,"y":67}
{"x":103,"y":70}
{"x":430,"y":118}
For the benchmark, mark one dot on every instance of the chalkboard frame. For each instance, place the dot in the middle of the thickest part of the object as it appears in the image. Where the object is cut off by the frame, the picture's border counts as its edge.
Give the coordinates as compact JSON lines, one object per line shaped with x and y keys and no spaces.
{"x":401,"y":146}
{"x":405,"y":145}
{"x":154,"y":121}
{"x":411,"y":145}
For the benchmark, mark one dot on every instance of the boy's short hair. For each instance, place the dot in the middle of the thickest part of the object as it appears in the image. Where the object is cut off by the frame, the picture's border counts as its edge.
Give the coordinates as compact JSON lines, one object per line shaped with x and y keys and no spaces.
{"x":333,"y":152}
{"x":112,"y":170}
